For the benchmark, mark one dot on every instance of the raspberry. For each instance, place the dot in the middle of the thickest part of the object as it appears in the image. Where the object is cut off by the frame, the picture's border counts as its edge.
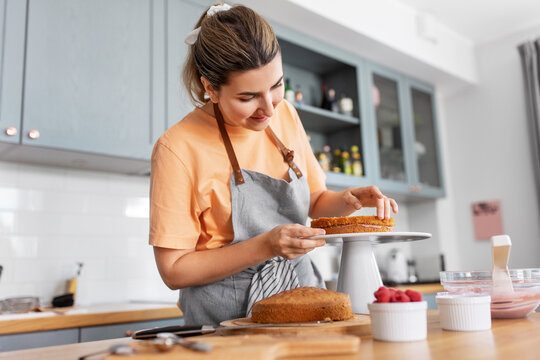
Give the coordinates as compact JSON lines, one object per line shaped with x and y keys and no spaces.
{"x":400,"y":296}
{"x":382,"y":295}
{"x":414,"y":295}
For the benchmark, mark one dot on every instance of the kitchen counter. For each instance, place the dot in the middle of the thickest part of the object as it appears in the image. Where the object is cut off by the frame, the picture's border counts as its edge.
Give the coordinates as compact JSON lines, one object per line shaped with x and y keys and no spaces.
{"x":507,"y":339}
{"x":81,"y":316}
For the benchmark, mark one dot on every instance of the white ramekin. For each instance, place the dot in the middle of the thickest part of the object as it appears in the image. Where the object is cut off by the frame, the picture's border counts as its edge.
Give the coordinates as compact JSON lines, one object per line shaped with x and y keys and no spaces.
{"x":464,"y":312}
{"x":399,"y":321}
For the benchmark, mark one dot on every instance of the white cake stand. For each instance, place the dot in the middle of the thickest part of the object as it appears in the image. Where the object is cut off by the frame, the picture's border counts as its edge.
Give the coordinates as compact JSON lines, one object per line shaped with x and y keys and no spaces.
{"x":358,"y":272}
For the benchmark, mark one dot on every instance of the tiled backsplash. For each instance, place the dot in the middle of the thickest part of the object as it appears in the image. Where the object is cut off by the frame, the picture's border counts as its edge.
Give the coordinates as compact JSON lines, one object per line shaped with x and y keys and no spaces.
{"x":52,"y":218}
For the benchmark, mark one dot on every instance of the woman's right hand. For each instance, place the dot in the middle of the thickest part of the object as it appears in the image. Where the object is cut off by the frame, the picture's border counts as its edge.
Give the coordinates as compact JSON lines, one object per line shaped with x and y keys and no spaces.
{"x":289,"y":240}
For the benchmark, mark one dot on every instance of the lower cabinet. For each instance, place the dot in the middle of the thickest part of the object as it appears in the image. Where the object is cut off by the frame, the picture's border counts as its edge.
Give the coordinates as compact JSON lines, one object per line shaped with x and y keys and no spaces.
{"x":75,"y":335}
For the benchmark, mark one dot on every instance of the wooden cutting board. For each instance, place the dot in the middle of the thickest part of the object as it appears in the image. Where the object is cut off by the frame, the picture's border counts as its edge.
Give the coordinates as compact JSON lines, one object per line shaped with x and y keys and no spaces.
{"x":360,"y":325}
{"x":249,"y":347}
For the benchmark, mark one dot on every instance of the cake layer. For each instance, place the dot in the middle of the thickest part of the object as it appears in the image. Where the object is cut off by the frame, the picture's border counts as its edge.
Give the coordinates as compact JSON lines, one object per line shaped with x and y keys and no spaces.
{"x":325,"y":222}
{"x":301,"y":305}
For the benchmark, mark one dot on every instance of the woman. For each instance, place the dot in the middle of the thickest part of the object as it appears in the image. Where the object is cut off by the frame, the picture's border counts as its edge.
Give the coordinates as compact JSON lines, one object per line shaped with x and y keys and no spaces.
{"x":229,"y":200}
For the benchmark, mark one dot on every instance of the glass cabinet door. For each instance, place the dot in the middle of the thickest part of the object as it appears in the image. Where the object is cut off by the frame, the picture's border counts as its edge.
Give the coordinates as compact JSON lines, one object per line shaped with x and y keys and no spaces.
{"x":387,"y":109}
{"x":425,"y":145}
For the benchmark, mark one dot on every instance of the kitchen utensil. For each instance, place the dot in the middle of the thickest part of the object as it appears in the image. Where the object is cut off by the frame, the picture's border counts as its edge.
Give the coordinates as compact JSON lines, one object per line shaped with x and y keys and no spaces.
{"x":464,"y":312}
{"x":524,"y":299}
{"x":396,"y":266}
{"x":359,"y":274}
{"x":502,"y":283}
{"x":117,"y":349}
{"x":399,"y":321}
{"x":252,"y":347}
{"x":19,"y":304}
{"x":166,"y":341}
{"x":192,"y":330}
{"x":359,"y":326}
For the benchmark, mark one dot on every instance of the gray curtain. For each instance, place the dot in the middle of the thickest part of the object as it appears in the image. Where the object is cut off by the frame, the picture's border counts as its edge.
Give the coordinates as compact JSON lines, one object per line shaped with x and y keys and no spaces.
{"x":530,"y":61}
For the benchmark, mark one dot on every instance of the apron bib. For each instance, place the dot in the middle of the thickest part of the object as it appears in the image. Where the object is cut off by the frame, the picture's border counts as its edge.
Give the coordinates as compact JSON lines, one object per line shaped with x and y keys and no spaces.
{"x":259,"y":203}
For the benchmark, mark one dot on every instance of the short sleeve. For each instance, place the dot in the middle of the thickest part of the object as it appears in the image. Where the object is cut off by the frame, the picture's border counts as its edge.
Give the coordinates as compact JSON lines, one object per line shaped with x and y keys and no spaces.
{"x":174,"y":214}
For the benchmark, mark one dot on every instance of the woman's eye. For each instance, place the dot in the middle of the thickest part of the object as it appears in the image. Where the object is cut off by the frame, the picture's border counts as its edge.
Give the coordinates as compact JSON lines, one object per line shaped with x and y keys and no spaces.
{"x":278,"y":85}
{"x":246,"y":99}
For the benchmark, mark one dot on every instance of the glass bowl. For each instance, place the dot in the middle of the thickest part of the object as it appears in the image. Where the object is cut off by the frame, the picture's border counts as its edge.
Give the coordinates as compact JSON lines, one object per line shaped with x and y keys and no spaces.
{"x":523,"y":301}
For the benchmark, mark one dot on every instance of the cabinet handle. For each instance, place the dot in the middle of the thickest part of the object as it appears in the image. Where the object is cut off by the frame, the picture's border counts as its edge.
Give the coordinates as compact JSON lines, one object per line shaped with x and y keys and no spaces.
{"x":11,"y":131}
{"x":412,"y":188}
{"x":33,"y":134}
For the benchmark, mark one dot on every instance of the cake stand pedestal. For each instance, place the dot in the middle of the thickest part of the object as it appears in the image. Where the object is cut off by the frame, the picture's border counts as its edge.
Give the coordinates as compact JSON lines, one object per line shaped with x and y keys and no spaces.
{"x":358,"y":272}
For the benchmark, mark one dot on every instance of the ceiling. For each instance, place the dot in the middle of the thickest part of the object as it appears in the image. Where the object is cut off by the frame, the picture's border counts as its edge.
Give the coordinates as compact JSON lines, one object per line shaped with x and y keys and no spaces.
{"x":481,"y":20}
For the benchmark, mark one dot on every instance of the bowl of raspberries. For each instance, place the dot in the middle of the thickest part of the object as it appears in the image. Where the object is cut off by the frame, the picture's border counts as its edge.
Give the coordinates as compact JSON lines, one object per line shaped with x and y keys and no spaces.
{"x":398,"y":315}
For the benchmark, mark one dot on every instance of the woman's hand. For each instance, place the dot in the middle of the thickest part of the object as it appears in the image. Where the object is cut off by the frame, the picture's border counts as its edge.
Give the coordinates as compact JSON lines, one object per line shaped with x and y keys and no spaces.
{"x":287,"y":240}
{"x":370,"y":196}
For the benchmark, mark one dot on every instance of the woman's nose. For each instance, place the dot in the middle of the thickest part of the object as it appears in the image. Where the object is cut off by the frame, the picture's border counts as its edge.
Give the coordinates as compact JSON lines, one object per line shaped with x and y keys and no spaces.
{"x":266,"y":105}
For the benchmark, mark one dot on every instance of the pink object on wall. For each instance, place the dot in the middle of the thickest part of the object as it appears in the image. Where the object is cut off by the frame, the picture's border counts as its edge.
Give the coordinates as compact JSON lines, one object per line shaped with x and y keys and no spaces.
{"x":487,"y":219}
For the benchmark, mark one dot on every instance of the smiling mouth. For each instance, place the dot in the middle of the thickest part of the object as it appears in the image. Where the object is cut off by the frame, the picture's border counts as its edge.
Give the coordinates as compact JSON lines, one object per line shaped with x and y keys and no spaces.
{"x":259,"y":119}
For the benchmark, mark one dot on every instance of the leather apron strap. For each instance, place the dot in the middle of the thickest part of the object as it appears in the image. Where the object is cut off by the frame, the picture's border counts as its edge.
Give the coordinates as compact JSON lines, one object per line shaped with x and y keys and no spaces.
{"x":288,"y":155}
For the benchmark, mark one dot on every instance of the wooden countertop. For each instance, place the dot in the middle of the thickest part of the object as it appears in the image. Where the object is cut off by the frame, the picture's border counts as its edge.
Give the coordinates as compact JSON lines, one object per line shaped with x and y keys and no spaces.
{"x":80,"y":316}
{"x":507,"y":339}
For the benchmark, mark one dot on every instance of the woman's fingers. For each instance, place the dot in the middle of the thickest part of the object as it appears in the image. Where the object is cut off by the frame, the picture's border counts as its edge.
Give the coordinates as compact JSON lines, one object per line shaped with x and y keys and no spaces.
{"x":387,"y":208}
{"x":352,"y":200}
{"x":394,"y":205}
{"x":380,"y":208}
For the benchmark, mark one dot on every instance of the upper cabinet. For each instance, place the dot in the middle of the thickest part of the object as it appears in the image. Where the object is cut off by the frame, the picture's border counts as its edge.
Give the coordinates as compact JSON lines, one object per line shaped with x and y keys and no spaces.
{"x":94,"y":83}
{"x":93,"y":76}
{"x":407,"y":151}
{"x":12,"y":34}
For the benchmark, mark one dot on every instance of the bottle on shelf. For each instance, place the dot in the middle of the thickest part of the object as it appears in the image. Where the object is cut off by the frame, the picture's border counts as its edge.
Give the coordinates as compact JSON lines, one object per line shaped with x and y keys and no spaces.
{"x":345,"y":163}
{"x":289,"y":92}
{"x":357,"y":167}
{"x":325,"y":103}
{"x":336,"y":161}
{"x":333,"y":101}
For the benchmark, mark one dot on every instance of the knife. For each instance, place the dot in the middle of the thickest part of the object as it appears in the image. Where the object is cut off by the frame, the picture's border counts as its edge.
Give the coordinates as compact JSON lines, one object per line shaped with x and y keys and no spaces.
{"x":192,"y":330}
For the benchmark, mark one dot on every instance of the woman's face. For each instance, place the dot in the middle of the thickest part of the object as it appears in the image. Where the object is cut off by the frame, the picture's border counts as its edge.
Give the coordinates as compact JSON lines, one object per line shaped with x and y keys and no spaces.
{"x":249,"y":98}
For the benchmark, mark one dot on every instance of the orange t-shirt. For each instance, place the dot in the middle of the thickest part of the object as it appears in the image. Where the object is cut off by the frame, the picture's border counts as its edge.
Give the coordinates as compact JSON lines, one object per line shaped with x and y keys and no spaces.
{"x":190,"y":197}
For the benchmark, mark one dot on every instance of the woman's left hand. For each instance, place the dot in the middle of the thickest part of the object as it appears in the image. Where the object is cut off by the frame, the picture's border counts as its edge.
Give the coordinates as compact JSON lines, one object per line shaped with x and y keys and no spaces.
{"x":370,"y":196}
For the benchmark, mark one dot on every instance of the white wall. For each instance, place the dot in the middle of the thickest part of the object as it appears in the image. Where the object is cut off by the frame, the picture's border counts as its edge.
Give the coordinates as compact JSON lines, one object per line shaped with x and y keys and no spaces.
{"x":51,"y":218}
{"x":489,"y":156}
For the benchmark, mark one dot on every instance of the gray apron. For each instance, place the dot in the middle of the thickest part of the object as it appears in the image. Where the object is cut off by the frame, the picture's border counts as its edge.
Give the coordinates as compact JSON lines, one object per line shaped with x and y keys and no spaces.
{"x":259,"y":203}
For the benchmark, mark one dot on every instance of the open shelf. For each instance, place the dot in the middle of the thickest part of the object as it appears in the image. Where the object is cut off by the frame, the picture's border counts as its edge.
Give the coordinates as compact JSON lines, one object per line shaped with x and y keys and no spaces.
{"x":324,"y":121}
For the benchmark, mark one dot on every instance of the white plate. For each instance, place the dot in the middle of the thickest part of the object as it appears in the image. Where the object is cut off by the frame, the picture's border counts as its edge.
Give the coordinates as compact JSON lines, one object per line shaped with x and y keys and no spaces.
{"x":377,"y":237}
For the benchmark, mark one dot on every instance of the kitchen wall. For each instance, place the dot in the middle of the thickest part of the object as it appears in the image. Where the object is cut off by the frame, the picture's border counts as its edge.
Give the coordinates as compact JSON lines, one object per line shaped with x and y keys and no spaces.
{"x":489,"y":156}
{"x":51,"y":218}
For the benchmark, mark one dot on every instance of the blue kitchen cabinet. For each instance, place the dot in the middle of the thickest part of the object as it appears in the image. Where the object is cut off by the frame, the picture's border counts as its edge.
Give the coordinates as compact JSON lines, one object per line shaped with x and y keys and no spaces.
{"x":93,"y":72}
{"x":12,"y":33}
{"x":181,"y":17}
{"x":38,"y":339}
{"x":404,"y":128}
{"x":427,"y":173}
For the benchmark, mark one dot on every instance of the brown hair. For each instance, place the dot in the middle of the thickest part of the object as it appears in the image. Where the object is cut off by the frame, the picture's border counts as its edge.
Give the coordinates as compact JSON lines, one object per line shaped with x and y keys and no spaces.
{"x":238,"y":39}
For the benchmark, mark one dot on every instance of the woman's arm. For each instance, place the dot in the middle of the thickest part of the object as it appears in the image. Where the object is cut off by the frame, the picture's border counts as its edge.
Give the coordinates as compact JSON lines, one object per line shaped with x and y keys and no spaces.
{"x":184,"y":268}
{"x":343,"y":203}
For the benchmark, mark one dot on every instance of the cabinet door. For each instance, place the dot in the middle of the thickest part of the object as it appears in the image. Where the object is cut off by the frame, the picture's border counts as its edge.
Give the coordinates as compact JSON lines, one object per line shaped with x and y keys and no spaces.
{"x":385,"y":90}
{"x":427,"y":161}
{"x":89,"y":75}
{"x":182,"y":16}
{"x":37,"y":339}
{"x":12,"y":28}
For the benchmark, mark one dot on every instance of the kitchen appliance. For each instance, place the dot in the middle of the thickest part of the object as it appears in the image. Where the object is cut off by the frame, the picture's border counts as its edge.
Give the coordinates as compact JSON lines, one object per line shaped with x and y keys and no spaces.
{"x":359,"y":274}
{"x":396,"y":266}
